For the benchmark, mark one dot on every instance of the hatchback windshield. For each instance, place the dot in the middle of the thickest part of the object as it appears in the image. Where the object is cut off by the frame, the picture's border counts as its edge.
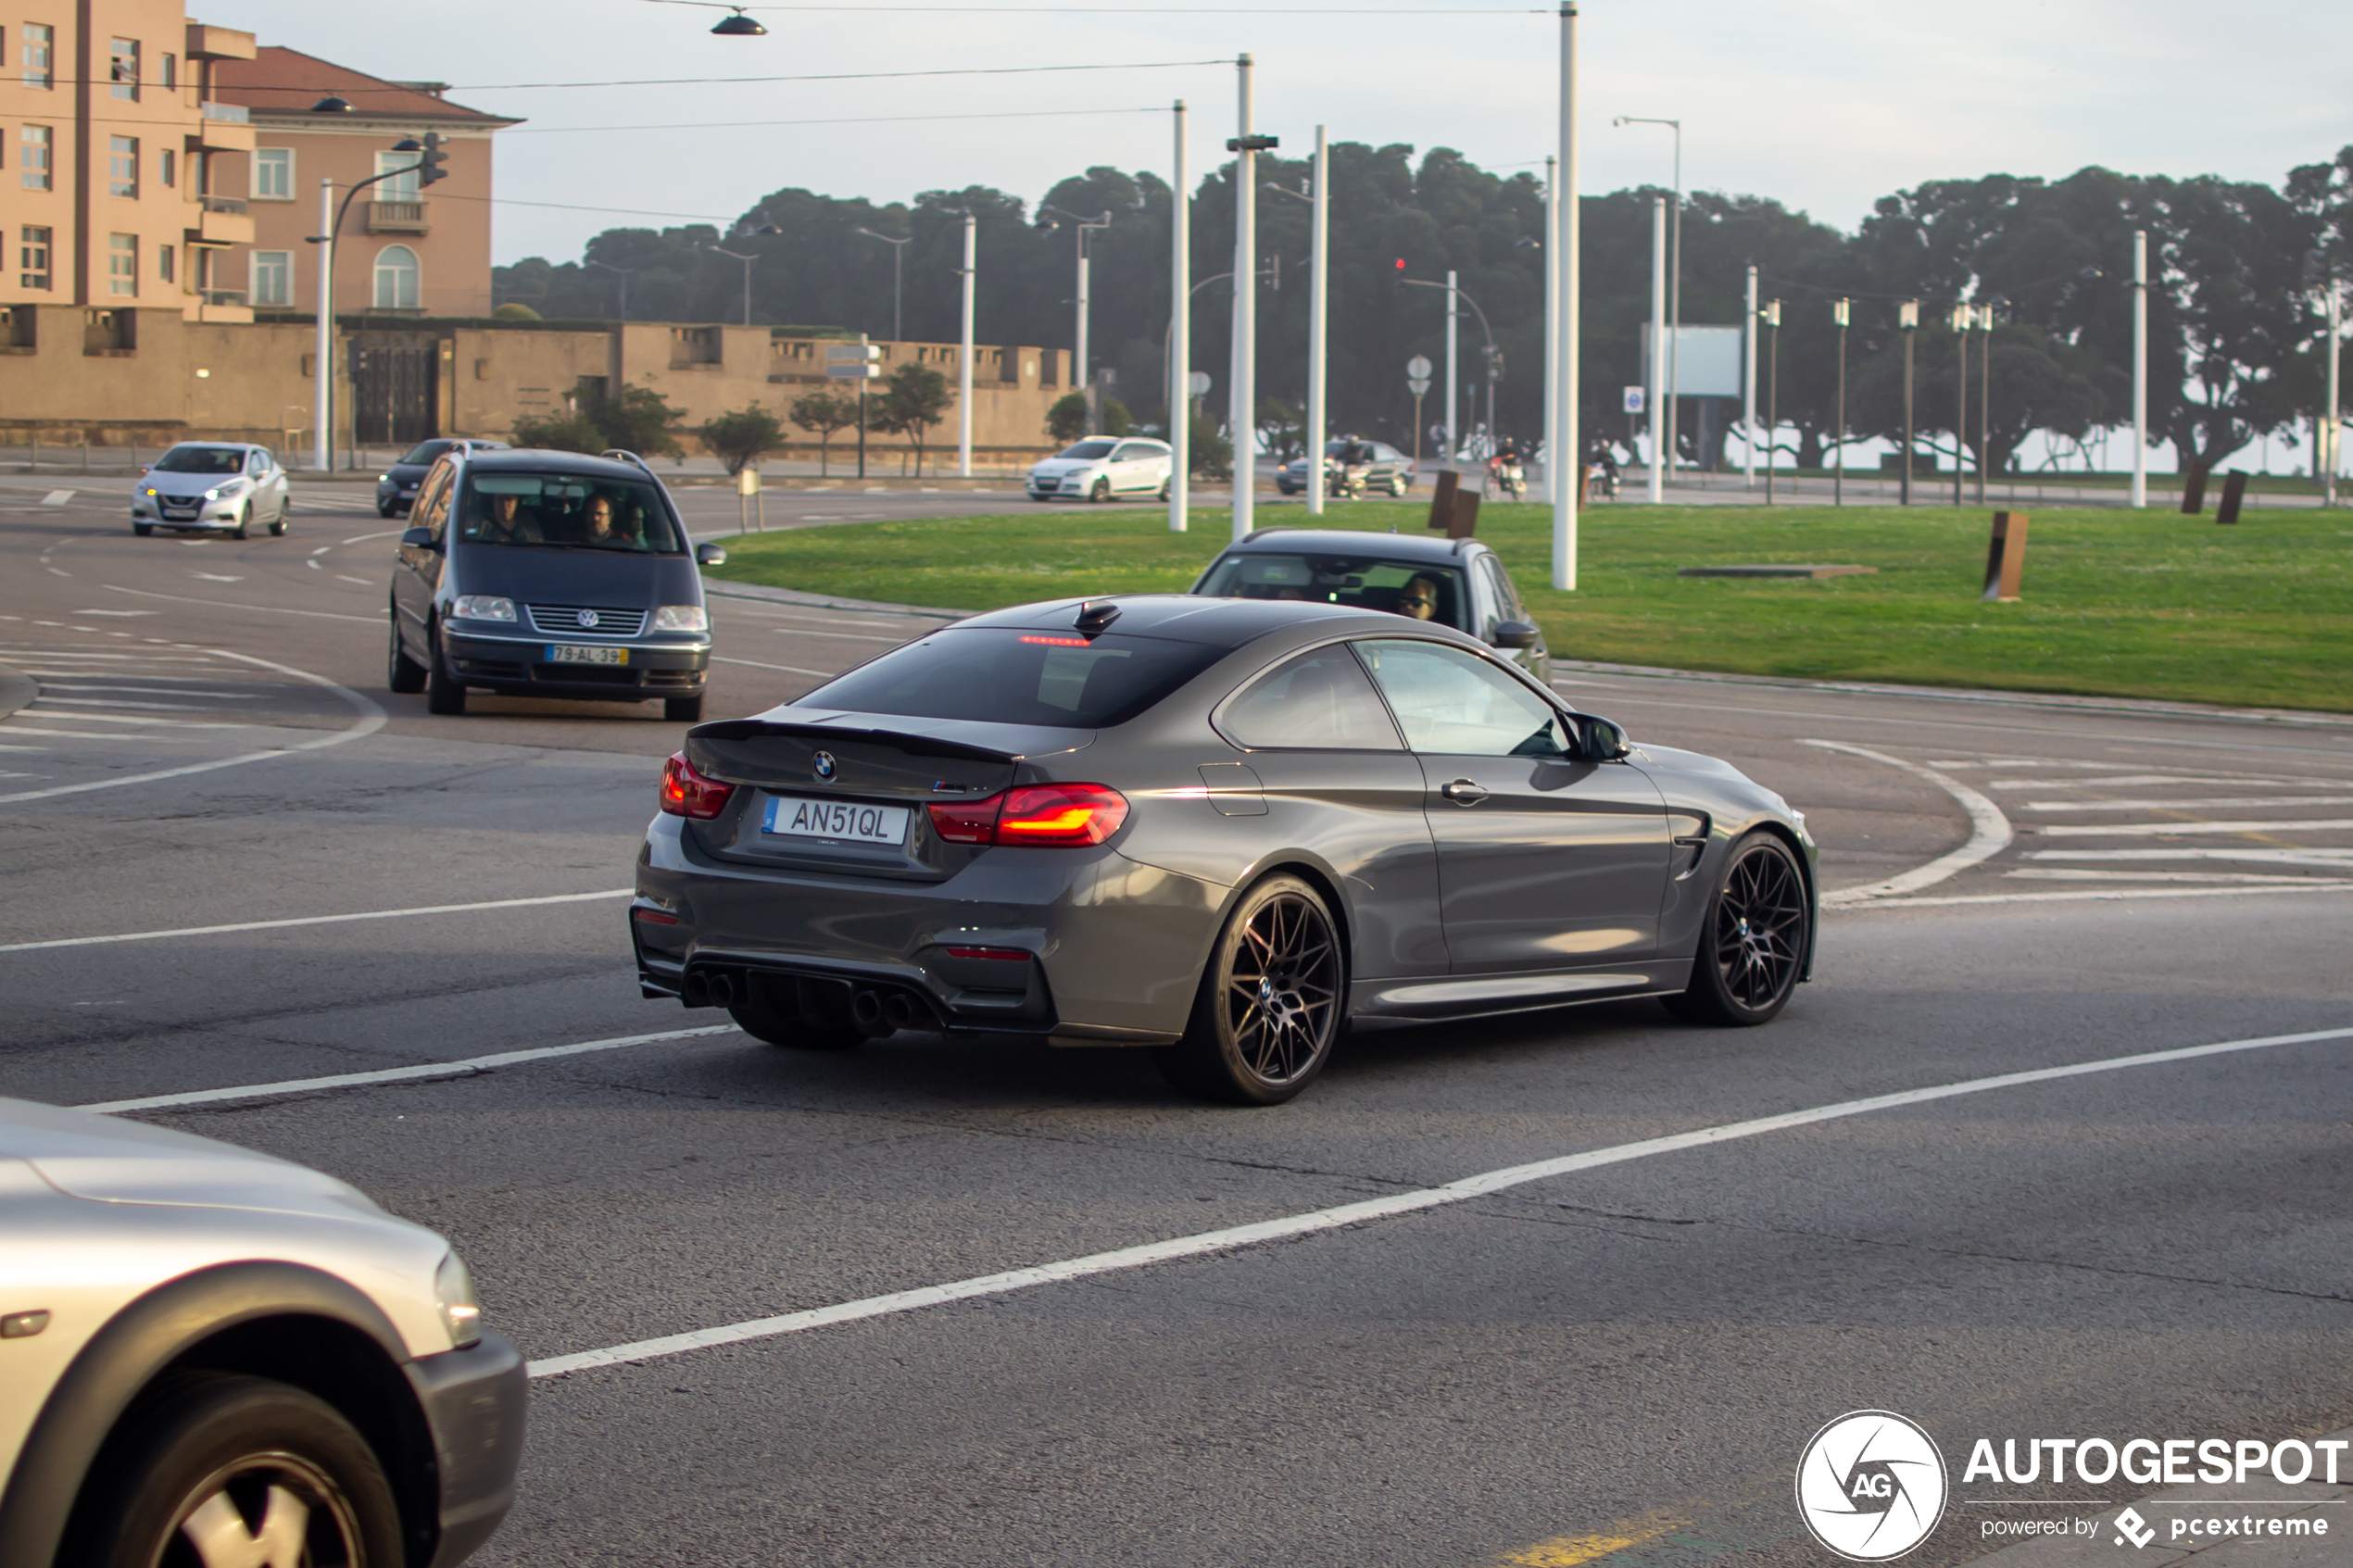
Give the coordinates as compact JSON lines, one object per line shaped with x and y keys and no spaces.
{"x":1086,"y":451}
{"x":999,"y":676}
{"x":202,"y":459}
{"x":422,"y":454}
{"x":1424,"y":592}
{"x":570,"y":511}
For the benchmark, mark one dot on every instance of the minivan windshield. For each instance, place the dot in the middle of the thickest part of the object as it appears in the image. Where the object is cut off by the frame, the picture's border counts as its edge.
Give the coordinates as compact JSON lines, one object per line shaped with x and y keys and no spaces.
{"x":202,"y":459}
{"x":567,"y":512}
{"x":1398,"y":587}
{"x":1086,"y":451}
{"x":422,"y":454}
{"x":997,"y":675}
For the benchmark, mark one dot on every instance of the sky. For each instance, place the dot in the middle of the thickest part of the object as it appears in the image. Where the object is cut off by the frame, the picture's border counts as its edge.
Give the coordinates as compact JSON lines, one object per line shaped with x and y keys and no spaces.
{"x":1824,"y":104}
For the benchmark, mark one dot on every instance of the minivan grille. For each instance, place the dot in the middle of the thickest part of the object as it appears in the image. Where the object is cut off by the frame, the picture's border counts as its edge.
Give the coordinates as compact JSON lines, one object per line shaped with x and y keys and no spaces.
{"x":584,"y":621}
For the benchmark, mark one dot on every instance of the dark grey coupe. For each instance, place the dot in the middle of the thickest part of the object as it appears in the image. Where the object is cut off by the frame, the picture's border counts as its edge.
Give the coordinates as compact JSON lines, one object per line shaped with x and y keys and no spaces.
{"x":1223,"y":829}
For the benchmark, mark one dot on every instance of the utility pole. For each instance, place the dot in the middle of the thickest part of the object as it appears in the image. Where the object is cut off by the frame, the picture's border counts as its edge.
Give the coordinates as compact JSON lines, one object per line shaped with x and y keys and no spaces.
{"x":964,"y":360}
{"x":1907,"y":320}
{"x":1984,"y":395}
{"x":898,"y":254}
{"x":1772,"y":394}
{"x":1245,"y":146}
{"x":2140,"y":368}
{"x":1674,"y":287}
{"x":1657,"y":366}
{"x":1453,"y":375}
{"x":1554,"y":472}
{"x":1840,"y":312}
{"x":323,"y":446}
{"x":1962,"y":316}
{"x":1748,"y":384}
{"x":1318,"y":304}
{"x":1181,"y":331}
{"x":2334,"y":426}
{"x":1566,"y":497}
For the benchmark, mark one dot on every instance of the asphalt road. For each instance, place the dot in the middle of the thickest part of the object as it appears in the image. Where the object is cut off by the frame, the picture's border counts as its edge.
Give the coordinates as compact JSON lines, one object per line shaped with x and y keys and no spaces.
{"x":1617,"y":1361}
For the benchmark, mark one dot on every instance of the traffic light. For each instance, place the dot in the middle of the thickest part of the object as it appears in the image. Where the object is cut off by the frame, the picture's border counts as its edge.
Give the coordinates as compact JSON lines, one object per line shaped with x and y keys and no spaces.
{"x":429,"y":162}
{"x":1396,"y":278}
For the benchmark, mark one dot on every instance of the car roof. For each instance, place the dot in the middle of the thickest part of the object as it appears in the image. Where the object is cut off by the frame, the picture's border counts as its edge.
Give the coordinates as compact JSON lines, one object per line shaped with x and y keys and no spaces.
{"x":1418,"y":548}
{"x":541,"y":459}
{"x":220,"y":445}
{"x":1188,"y":618}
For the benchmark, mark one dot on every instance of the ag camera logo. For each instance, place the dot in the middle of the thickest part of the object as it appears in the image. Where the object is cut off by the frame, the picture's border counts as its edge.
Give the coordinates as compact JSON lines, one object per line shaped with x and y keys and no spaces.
{"x":1870,"y":1485}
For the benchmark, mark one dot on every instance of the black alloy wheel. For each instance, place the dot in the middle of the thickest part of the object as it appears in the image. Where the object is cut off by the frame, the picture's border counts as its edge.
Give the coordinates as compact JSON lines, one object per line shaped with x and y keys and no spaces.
{"x":402,"y":674}
{"x":238,"y":1470}
{"x":443,"y":692}
{"x":1271,"y":1003}
{"x":1754,"y":941}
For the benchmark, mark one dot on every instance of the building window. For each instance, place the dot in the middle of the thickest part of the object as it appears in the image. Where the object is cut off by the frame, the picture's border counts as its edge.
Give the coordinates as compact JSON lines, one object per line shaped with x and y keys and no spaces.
{"x":39,"y":42}
{"x":123,"y":68}
{"x":170,"y":169}
{"x":167,"y":72}
{"x":396,"y":278}
{"x":402,"y":186}
{"x":122,"y":264}
{"x":33,"y":256}
{"x":272,"y":278}
{"x":122,"y":165}
{"x":273,"y":174}
{"x":163,"y":263}
{"x":32,"y":157}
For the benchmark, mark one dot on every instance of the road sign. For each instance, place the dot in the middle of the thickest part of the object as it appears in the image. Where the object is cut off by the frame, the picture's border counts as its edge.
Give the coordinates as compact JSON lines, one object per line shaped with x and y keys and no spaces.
{"x":1198,"y":384}
{"x":748,"y":481}
{"x":866,"y":352}
{"x":1417,"y":385}
{"x":1634,"y":403}
{"x":853,"y":373}
{"x":1417,"y":367}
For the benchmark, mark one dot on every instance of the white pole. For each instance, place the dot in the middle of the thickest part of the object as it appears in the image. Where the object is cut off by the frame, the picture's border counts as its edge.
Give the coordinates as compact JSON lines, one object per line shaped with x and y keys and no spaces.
{"x":1748,"y":386}
{"x":322,"y":443}
{"x":1245,"y":378}
{"x":1675,"y":305}
{"x":2140,"y":366}
{"x":1318,"y":300}
{"x":1453,"y":379}
{"x":964,"y":364}
{"x":1086,"y":382}
{"x":1180,"y":333}
{"x":1565,"y":496}
{"x":2336,"y":424}
{"x":1657,"y":367}
{"x":1553,"y":460}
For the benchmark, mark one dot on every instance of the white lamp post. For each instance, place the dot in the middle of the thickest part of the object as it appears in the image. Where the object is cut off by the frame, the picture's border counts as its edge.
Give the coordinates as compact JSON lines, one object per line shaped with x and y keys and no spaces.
{"x":1181,"y":332}
{"x":1565,"y":498}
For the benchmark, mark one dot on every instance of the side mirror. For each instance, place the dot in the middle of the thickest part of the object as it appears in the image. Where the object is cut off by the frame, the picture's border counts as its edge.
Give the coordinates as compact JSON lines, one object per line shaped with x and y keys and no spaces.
{"x":1514,"y":634}
{"x":416,"y":539}
{"x":710,"y":554}
{"x":1604,"y":742}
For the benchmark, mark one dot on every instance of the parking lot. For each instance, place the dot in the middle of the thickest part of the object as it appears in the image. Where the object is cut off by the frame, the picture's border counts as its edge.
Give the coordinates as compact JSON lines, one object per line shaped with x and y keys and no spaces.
{"x":777,"y":1301}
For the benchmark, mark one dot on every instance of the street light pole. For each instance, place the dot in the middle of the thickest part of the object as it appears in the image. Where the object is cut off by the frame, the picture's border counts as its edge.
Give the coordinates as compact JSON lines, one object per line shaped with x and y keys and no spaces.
{"x":1674,"y":286}
{"x":1841,"y":310}
{"x":1179,"y":356}
{"x":1318,"y":304}
{"x":1657,"y":365}
{"x":747,"y":260}
{"x":1748,"y":385}
{"x":964,"y":360}
{"x":1553,"y":469}
{"x":1772,"y":394}
{"x":1907,"y":320}
{"x":624,"y":272}
{"x":1454,"y":374}
{"x":2140,"y":366}
{"x":1984,"y":395}
{"x":1080,"y":358}
{"x":897,"y":253}
{"x":322,"y":446}
{"x":2336,"y":424}
{"x":1962,"y":316}
{"x":1565,"y":498}
{"x":1245,"y":146}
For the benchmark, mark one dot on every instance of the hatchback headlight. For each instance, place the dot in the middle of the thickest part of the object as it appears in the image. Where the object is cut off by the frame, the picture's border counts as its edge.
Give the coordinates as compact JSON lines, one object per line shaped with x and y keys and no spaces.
{"x":681,"y":618}
{"x":482,"y":606}
{"x":453,"y":1290}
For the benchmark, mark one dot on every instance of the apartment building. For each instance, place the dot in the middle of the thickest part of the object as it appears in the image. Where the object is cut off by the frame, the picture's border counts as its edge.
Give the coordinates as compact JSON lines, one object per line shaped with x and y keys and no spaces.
{"x":403,"y":249}
{"x":108,"y":129}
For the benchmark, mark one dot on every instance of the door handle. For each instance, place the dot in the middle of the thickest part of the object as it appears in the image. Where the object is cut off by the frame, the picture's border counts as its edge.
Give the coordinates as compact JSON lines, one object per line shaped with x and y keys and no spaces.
{"x":1464,"y":792}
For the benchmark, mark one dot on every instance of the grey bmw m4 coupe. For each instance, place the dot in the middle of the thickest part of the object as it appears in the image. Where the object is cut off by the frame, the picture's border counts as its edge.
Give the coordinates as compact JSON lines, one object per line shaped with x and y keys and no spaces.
{"x":1224,"y":830}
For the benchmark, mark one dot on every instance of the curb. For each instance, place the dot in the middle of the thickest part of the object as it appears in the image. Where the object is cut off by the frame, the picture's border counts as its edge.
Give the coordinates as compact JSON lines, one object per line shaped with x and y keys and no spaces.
{"x":16,"y":691}
{"x":727,"y":589}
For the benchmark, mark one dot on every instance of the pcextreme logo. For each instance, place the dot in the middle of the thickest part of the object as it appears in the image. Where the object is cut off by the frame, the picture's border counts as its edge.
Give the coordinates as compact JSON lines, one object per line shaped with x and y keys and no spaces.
{"x":1870,"y":1485}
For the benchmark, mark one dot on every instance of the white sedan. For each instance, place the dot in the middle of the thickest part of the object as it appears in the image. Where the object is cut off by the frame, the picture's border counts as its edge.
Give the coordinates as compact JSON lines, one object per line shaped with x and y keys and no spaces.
{"x":211,"y":1357}
{"x":1102,"y":466}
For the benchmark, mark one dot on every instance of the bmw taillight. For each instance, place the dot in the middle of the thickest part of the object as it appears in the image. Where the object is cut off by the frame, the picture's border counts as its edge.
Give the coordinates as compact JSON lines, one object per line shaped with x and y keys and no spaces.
{"x":686,"y":792}
{"x":1060,"y":814}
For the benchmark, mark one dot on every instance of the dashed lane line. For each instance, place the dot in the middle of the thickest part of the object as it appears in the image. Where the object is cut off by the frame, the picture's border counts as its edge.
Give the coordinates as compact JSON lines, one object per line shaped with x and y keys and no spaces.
{"x":1344,"y":1216}
{"x":256,"y":610}
{"x":309,"y":920}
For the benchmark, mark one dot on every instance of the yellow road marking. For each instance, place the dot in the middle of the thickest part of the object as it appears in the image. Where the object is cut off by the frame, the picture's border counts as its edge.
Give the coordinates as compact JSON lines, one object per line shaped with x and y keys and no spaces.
{"x":1568,"y":1551}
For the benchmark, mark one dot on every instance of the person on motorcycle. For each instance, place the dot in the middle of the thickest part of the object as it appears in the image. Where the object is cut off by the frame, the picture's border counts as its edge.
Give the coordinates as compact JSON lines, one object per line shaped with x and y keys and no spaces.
{"x":1503,"y":471}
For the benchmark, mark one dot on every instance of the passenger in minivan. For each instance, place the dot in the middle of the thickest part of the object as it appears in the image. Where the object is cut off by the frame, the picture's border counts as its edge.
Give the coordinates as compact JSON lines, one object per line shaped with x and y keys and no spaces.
{"x":505,"y":525}
{"x":604,"y":528}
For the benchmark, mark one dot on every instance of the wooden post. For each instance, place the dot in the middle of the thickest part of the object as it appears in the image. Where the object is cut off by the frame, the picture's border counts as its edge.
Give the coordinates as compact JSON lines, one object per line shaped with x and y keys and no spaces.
{"x":2005,"y":559}
{"x":2194,"y":491}
{"x":2234,"y":491}
{"x":1465,"y":522}
{"x":1442,"y":501}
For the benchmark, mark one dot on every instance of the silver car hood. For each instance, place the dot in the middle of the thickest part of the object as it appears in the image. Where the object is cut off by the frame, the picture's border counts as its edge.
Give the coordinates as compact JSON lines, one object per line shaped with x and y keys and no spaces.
{"x":111,"y":1160}
{"x":189,"y":483}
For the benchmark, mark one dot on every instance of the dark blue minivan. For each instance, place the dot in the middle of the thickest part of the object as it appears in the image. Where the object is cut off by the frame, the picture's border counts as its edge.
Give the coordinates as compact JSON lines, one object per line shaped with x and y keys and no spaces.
{"x":549,"y":574}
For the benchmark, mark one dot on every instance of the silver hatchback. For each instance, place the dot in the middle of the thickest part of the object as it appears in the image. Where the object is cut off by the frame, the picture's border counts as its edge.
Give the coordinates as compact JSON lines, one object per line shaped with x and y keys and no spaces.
{"x":217,"y":486}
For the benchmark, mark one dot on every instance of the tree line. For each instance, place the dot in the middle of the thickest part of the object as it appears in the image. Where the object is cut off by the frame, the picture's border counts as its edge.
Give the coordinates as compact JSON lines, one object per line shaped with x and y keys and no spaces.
{"x":2237,"y":271}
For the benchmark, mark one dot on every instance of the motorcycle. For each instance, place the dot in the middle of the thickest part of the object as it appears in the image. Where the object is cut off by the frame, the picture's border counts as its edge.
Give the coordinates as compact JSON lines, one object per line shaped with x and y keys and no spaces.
{"x":1506,"y":474}
{"x":1345,"y":480}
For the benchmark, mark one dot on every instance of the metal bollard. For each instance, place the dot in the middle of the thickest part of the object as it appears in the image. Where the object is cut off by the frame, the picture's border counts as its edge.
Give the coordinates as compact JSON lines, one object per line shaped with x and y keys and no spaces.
{"x":2005,"y":559}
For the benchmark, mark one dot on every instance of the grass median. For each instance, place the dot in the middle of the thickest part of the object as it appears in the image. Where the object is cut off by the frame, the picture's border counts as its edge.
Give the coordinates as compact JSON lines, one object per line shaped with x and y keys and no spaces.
{"x":2120,"y":604}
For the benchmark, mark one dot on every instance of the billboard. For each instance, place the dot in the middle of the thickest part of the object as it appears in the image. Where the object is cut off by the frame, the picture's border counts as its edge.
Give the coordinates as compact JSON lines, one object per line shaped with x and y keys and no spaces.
{"x":1708,"y":364}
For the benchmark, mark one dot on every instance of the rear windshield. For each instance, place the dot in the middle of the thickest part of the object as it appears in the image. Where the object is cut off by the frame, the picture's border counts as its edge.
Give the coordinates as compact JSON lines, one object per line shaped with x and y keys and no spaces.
{"x":996,"y":676}
{"x":424,"y":452}
{"x":1361,"y":583}
{"x":202,"y":459}
{"x":569,"y":511}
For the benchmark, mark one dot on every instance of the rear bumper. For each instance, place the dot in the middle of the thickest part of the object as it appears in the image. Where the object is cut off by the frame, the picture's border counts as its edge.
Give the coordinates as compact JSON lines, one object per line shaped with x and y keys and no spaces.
{"x":514,"y":666}
{"x":474,"y":1401}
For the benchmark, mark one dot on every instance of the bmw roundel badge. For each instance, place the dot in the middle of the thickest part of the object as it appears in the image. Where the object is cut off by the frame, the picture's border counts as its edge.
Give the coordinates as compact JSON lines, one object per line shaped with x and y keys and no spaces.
{"x":823,"y":765}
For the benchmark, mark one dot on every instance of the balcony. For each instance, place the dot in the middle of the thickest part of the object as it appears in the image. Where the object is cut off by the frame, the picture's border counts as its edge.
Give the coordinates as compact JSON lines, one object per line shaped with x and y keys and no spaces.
{"x":216,"y":305}
{"x":397,"y":218}
{"x":220,"y":128}
{"x":220,"y":221}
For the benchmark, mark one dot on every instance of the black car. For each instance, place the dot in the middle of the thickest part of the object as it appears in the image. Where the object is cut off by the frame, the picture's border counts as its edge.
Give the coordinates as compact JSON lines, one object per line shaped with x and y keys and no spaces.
{"x":396,"y":487}
{"x":1457,"y":582}
{"x":548,"y":574}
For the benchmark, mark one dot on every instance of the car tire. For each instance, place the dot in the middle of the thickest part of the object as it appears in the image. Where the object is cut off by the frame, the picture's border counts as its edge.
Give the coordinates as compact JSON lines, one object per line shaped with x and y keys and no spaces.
{"x":760,"y":1016}
{"x":683,"y":710}
{"x":1754,"y":941}
{"x":1271,"y":1002}
{"x":230,"y":1458}
{"x":444,"y":693}
{"x":143,"y":529}
{"x":1164,"y":490}
{"x":383,"y":510}
{"x":1100,"y":493}
{"x":402,"y":674}
{"x":243,"y":529}
{"x":277,"y":524}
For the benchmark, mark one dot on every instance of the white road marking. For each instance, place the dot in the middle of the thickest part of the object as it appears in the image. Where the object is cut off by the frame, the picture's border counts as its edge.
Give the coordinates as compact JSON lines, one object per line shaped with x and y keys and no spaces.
{"x":2078,"y":873}
{"x":258,"y":609}
{"x":313,"y":565}
{"x":40,"y":708}
{"x":1371,"y":1210}
{"x":2177,"y":830}
{"x":50,"y":699}
{"x":2206,"y":804}
{"x":82,"y":684}
{"x":364,"y":581}
{"x":787,"y":668}
{"x":310,"y":919}
{"x":117,"y":612}
{"x":16,"y":729}
{"x":56,"y":497}
{"x":2242,"y":780}
{"x":55,"y":572}
{"x":387,"y":534}
{"x":464,"y":1068}
{"x":1988,"y":832}
{"x":371,"y":719}
{"x":2102,"y":894}
{"x":322,"y":549}
{"x":2318,"y":856}
{"x":216,"y":577}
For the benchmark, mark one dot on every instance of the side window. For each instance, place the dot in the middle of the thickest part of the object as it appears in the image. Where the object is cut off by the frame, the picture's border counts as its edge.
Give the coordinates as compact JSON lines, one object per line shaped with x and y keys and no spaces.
{"x":1127,"y":451}
{"x":1320,"y":700}
{"x":257,"y":462}
{"x":1507,"y":595}
{"x":1453,"y":703}
{"x":432,"y":505}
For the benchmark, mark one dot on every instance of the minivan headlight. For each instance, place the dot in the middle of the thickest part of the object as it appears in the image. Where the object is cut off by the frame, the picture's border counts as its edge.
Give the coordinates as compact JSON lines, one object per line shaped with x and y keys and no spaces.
{"x":482,"y":606}
{"x":681,"y":618}
{"x":453,"y":1290}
